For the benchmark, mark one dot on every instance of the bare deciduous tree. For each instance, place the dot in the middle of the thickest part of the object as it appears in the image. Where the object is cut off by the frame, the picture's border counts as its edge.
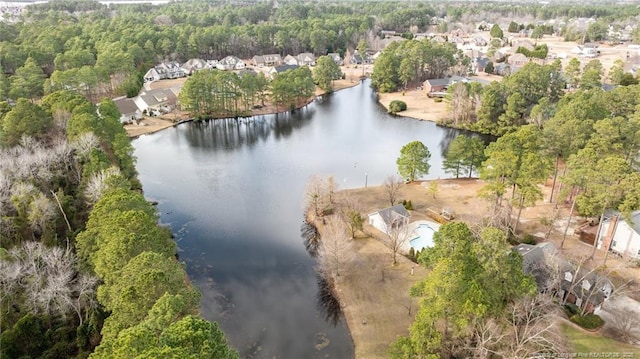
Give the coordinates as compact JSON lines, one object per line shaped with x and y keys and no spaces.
{"x":46,"y":280}
{"x":531,"y":328}
{"x":314,"y":194}
{"x":336,"y":249}
{"x":331,"y":187}
{"x":622,"y":324}
{"x":398,"y":235}
{"x":392,"y":186}
{"x":98,"y":184}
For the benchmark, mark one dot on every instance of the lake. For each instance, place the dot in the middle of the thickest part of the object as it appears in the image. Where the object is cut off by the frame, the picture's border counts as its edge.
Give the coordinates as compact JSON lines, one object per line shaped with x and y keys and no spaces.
{"x":233,"y":193}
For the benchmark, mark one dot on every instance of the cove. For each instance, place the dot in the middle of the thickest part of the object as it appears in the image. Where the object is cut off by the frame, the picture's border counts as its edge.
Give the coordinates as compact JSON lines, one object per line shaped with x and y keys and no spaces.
{"x":232,"y":191}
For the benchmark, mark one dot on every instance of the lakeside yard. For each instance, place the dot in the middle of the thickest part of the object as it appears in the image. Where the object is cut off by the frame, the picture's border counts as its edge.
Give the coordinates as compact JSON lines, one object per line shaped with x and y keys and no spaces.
{"x":374,"y":293}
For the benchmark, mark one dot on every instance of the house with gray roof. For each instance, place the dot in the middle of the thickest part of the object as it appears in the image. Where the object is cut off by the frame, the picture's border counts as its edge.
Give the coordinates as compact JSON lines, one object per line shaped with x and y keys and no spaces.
{"x":129,"y":111}
{"x":336,"y":58}
{"x":267,"y":60}
{"x":158,"y":100}
{"x":389,"y":218}
{"x":280,"y":69}
{"x":306,"y":58}
{"x":570,"y":283}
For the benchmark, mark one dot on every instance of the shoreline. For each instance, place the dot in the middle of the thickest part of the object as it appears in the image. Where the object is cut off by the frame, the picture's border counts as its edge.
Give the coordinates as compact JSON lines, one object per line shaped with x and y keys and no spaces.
{"x":151,"y":125}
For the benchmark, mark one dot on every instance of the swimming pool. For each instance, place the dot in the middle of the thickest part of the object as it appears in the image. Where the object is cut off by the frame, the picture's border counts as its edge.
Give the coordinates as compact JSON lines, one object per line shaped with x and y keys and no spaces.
{"x":423,"y":235}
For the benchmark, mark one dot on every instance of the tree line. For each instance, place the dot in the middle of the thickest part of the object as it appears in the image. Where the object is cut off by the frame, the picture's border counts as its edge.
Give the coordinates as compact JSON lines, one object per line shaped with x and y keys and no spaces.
{"x":218,"y":94}
{"x":84,"y":266}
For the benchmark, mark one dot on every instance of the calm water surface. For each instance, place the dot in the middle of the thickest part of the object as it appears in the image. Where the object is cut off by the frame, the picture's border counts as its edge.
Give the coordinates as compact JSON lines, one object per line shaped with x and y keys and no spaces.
{"x":232,"y":192}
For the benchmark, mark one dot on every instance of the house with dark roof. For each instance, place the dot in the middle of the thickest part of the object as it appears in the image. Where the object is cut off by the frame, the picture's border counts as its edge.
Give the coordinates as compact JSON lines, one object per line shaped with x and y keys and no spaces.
{"x":280,"y":69}
{"x":389,"y":218}
{"x":570,"y":283}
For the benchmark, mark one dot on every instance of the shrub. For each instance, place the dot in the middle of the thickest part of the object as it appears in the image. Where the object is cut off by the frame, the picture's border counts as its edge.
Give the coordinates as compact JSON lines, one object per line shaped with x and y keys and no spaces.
{"x":407,"y":204}
{"x":529,"y":239}
{"x":588,"y":321}
{"x":571,"y":309}
{"x":397,"y":106}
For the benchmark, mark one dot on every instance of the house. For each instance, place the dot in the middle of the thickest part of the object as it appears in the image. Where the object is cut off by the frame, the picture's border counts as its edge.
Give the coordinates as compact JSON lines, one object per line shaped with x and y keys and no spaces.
{"x":590,"y":50}
{"x":267,"y":60}
{"x":290,"y":60}
{"x":517,"y":60}
{"x":570,"y":283}
{"x":632,"y":65}
{"x":165,"y":70}
{"x":306,"y":58}
{"x":504,"y":69}
{"x":436,"y":85}
{"x":524,"y":44}
{"x":129,"y":112}
{"x":173,"y":70}
{"x":230,"y":63}
{"x":620,"y":236}
{"x":389,"y":218}
{"x":212,"y":64}
{"x":156,"y":101}
{"x":356,"y":58}
{"x":193,"y":65}
{"x":478,"y":64}
{"x":586,"y":50}
{"x":336,"y":58}
{"x":154,"y":74}
{"x":280,"y":69}
{"x":439,"y":86}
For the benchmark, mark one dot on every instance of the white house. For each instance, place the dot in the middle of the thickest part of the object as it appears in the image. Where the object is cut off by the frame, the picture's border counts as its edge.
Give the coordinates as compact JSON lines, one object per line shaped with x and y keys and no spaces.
{"x":620,"y":236}
{"x":290,"y":60}
{"x":387,"y":219}
{"x":158,"y":100}
{"x":306,"y":58}
{"x":230,"y":63}
{"x":129,"y":111}
{"x":193,"y":65}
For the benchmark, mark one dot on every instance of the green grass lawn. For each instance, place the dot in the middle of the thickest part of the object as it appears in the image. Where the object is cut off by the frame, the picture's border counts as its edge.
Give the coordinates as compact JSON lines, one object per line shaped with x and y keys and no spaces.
{"x":584,"y":342}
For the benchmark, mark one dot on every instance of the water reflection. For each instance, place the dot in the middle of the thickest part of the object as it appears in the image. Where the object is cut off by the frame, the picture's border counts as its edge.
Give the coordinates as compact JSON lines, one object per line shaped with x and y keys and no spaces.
{"x":310,"y":237}
{"x":327,"y":300}
{"x":233,"y":192}
{"x":230,"y":134}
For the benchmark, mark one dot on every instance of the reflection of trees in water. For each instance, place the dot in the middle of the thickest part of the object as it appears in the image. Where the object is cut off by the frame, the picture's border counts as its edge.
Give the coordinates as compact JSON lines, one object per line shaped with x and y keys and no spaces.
{"x":327,"y":301}
{"x":233,"y":133}
{"x":311,"y":237}
{"x":449,"y":134}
